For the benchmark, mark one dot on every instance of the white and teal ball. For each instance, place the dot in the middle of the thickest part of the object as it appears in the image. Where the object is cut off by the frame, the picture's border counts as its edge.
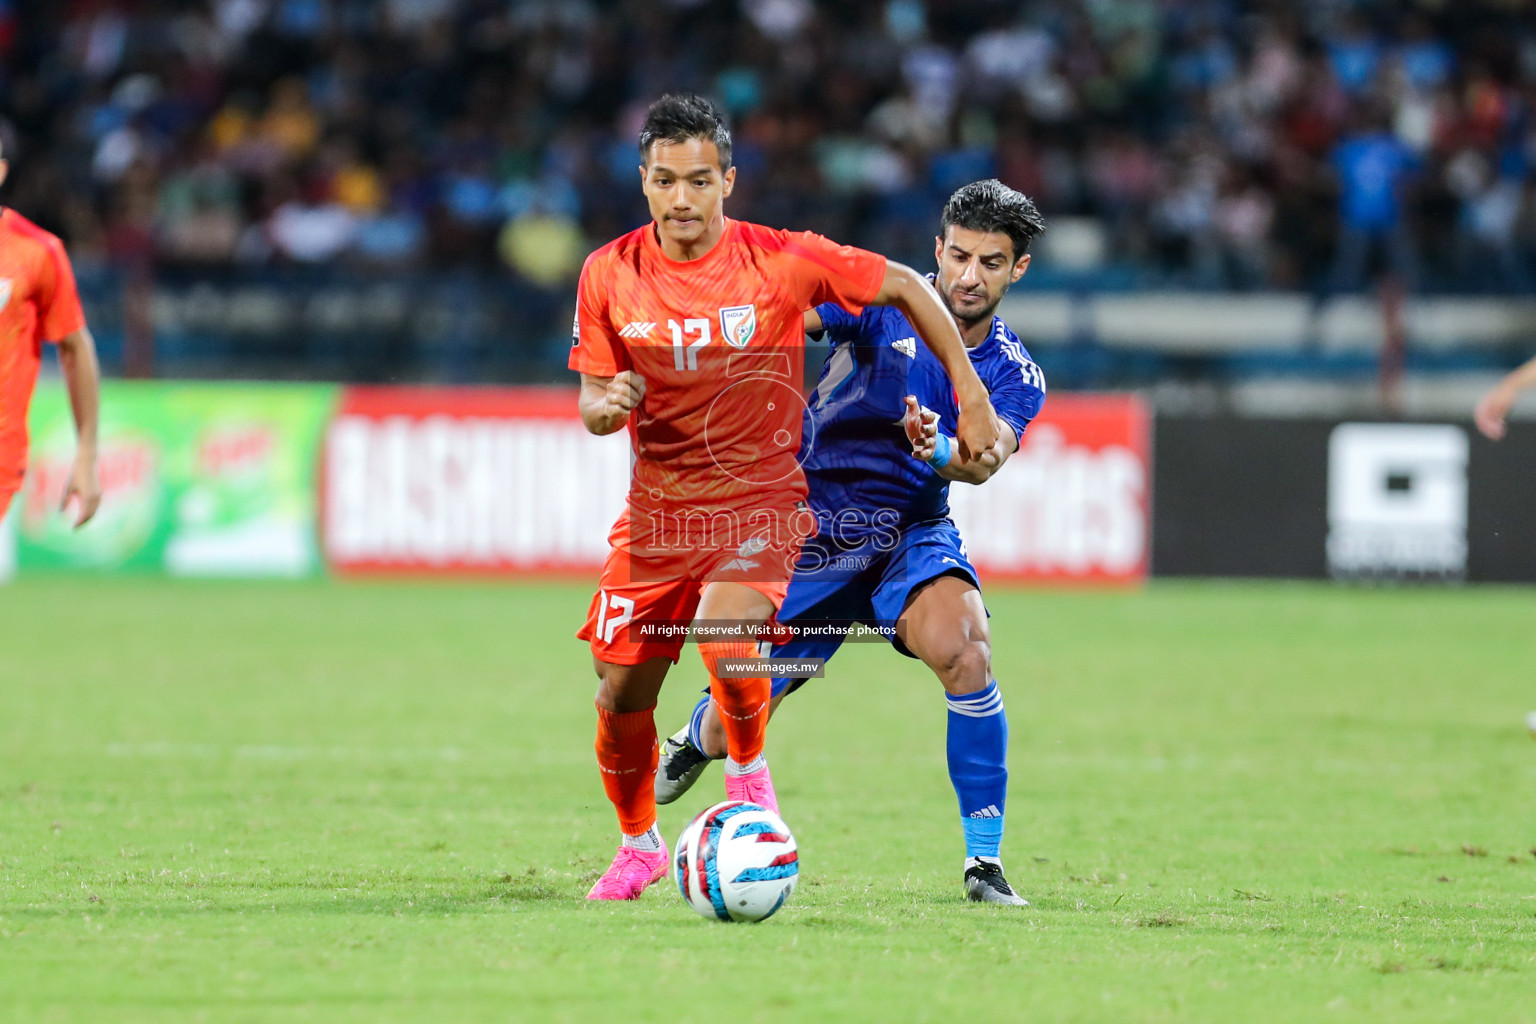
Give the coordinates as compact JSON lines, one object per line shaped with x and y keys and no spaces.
{"x":736,"y":862}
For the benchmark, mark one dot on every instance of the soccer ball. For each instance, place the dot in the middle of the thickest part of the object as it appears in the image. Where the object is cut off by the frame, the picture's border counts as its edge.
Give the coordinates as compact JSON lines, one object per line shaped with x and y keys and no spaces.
{"x":736,"y":862}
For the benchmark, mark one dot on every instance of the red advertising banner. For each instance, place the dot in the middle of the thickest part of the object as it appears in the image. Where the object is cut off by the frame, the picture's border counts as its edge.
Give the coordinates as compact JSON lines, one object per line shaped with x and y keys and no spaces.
{"x":1073,"y":504}
{"x":482,"y":480}
{"x":507,"y":481}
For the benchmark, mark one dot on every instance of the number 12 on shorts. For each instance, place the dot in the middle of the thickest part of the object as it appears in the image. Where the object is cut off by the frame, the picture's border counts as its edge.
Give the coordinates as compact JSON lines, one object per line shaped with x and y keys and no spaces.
{"x":608,"y":627}
{"x":685,"y":354}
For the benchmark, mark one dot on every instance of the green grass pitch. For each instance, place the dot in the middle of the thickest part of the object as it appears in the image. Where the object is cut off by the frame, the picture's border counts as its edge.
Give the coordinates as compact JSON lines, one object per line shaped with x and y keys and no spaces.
{"x":377,"y":802}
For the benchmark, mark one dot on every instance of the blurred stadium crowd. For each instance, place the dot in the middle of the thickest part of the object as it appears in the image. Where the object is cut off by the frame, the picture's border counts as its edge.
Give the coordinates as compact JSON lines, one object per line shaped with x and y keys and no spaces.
{"x":1187,"y":143}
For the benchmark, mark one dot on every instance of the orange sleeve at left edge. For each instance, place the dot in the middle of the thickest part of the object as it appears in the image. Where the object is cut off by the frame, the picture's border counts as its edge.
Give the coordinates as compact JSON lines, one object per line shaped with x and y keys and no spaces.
{"x":595,"y":348}
{"x":59,"y":314}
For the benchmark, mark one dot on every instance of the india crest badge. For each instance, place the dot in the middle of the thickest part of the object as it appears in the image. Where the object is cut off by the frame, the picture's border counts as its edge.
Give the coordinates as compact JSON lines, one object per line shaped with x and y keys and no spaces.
{"x":738,"y":324}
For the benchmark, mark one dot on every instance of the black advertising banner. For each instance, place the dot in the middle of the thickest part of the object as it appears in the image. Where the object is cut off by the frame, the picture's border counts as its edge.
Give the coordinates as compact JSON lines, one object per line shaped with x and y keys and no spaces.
{"x":1501,"y":519}
{"x":1349,"y":500}
{"x":1239,"y":497}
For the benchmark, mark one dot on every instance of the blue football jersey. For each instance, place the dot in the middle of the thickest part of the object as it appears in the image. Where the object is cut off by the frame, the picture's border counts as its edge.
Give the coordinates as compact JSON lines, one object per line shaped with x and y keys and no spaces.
{"x":854,"y":449}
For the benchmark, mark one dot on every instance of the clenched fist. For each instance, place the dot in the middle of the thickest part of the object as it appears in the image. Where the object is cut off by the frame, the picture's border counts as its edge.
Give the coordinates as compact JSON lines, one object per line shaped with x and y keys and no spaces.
{"x":977,"y":427}
{"x":625,"y":390}
{"x":606,"y":402}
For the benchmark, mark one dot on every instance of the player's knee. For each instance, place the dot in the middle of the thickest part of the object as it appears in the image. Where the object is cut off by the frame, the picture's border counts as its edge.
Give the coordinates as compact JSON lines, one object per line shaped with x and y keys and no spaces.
{"x":966,"y":667}
{"x":609,"y":697}
{"x":617,"y":691}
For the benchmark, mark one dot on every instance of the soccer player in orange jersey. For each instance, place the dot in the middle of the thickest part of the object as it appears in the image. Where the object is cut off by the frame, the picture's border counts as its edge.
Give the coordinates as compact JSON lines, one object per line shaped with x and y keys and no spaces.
{"x":689,"y":331}
{"x":38,"y":303}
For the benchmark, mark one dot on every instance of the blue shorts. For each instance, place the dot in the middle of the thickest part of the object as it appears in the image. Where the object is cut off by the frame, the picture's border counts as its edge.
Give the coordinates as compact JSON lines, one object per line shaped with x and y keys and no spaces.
{"x":871,"y":582}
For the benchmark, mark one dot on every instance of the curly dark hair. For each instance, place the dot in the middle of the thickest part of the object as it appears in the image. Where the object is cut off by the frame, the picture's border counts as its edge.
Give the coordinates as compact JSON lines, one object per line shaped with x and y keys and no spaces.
{"x":992,"y":206}
{"x":678,"y":117}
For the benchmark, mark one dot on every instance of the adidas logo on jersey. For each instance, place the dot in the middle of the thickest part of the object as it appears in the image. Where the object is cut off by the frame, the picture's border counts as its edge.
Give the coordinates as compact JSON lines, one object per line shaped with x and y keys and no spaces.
{"x":906,"y":346}
{"x":989,"y":811}
{"x":637,"y":329}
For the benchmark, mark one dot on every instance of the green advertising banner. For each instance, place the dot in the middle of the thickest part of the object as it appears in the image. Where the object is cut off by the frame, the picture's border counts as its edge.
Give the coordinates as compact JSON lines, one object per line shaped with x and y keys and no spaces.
{"x":198,"y":479}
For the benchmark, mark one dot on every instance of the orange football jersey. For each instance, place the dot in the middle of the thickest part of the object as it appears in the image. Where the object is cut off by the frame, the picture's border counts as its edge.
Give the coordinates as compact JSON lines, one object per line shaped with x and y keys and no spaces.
{"x":38,"y":303}
{"x":719,"y":341}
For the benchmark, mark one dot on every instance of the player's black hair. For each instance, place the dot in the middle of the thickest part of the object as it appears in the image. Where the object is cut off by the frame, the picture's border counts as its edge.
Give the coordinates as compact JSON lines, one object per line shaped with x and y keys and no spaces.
{"x":678,"y":117}
{"x":992,"y":206}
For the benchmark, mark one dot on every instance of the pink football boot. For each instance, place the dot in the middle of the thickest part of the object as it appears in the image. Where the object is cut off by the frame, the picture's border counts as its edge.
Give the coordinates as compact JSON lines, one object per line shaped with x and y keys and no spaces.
{"x":631,"y":871}
{"x":755,"y":788}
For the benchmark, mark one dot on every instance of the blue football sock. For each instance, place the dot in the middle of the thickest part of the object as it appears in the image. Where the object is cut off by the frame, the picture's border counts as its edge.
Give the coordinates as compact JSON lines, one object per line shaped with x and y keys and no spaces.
{"x":696,"y":723}
{"x":978,"y":766}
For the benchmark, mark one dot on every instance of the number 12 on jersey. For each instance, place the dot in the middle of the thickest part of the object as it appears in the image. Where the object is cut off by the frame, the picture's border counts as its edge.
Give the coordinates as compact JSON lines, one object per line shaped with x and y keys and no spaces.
{"x":685,"y":354}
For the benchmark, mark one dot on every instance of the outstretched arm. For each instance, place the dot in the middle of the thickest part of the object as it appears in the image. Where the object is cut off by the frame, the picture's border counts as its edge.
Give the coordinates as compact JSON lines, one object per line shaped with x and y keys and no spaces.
{"x":977,"y":427}
{"x":1494,"y":406}
{"x":980,"y":469}
{"x":922,"y":425}
{"x":82,"y":376}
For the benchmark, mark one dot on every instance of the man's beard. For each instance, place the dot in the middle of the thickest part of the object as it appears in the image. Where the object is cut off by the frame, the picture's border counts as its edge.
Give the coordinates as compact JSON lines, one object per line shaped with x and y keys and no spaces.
{"x":967,"y":318}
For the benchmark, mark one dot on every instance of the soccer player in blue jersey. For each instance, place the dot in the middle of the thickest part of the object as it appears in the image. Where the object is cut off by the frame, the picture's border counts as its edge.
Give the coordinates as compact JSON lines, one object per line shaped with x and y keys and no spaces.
{"x":879,"y":458}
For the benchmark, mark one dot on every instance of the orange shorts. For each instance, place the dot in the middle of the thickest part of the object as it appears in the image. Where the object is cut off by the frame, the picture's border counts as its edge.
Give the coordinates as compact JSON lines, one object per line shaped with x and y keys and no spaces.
{"x":646,"y":595}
